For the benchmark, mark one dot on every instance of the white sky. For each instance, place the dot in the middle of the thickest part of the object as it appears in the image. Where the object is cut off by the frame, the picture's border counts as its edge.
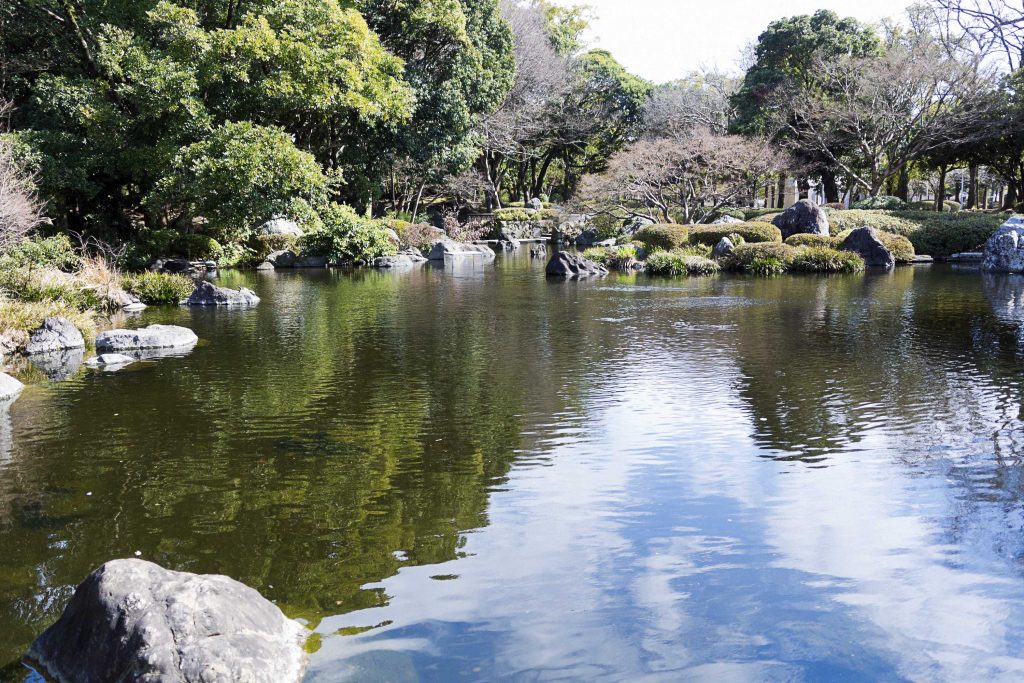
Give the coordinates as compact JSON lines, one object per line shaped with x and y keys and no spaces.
{"x":662,"y":40}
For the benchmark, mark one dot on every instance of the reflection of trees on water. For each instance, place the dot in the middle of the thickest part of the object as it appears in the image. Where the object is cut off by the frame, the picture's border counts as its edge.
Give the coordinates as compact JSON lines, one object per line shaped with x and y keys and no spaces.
{"x":347,"y":426}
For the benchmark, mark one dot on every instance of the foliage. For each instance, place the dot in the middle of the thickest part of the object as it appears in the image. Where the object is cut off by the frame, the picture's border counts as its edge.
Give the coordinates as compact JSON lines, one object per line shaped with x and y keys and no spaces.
{"x":524,"y":215}
{"x":803,"y":239}
{"x":23,"y":317}
{"x":766,"y":215}
{"x":678,"y":263}
{"x":880,"y":202}
{"x":750,"y":232}
{"x":416,"y":235}
{"x":761,"y":257}
{"x":663,"y":235}
{"x":55,"y":252}
{"x":823,"y":259}
{"x":343,"y":235}
{"x":240,"y":176}
{"x":262,"y":246}
{"x":158,"y":288}
{"x":614,"y":258}
{"x":20,"y":211}
{"x":936,"y":234}
{"x":693,"y":177}
{"x":834,"y":206}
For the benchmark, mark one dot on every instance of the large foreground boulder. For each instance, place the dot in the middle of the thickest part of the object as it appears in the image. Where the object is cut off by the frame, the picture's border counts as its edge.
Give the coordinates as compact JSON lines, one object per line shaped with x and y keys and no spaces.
{"x":208,"y":294}
{"x":803,"y":217}
{"x":152,"y":337}
{"x":868,"y":243}
{"x":564,"y":264}
{"x":55,"y":334}
{"x":9,"y":387}
{"x":1004,"y":250}
{"x":450,"y":248}
{"x":132,"y":620}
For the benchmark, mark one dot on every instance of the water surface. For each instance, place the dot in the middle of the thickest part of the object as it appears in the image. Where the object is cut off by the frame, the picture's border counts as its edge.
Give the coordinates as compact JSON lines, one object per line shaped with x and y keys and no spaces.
{"x":479,"y":474}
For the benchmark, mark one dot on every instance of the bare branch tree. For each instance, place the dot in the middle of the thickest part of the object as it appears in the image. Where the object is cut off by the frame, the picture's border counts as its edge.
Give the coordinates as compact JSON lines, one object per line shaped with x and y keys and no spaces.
{"x":20,"y":210}
{"x":998,"y":22}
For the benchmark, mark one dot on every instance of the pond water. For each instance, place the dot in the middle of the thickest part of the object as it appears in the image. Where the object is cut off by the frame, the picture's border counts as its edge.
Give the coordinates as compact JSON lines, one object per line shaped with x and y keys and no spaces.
{"x":477,"y":473}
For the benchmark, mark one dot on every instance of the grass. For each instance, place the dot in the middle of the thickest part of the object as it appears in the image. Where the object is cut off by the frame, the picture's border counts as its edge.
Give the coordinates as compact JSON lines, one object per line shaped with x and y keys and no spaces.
{"x":826,"y":260}
{"x":158,"y":288}
{"x":679,"y":262}
{"x":760,"y":258}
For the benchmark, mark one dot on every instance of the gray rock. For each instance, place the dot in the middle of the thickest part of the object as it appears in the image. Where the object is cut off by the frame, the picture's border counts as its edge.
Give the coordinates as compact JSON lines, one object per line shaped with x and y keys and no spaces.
{"x":538,"y":251}
{"x":132,"y":620}
{"x":59,"y":365}
{"x":310,"y":262}
{"x":803,"y":217}
{"x":393,"y":236}
{"x":280,"y":226}
{"x":535,"y":204}
{"x":152,"y":337}
{"x":9,"y":387}
{"x":605,"y":243}
{"x":397,"y":261}
{"x":564,"y":264}
{"x":208,"y":294}
{"x":866,"y":242}
{"x":413,"y":255}
{"x":726,"y":220}
{"x":635,"y":224}
{"x":509,"y":241}
{"x":1004,"y":250}
{"x":171,"y":265}
{"x":266,"y":265}
{"x":586,"y":238}
{"x":55,"y":334}
{"x":109,"y":359}
{"x":450,"y":248}
{"x":723,"y":248}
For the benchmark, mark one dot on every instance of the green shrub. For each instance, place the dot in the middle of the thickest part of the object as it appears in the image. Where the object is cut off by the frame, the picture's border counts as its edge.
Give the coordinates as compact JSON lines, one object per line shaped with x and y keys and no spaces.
{"x":942,"y":234}
{"x":948,"y":206}
{"x":158,"y":288}
{"x":952,"y":206}
{"x":750,"y":232}
{"x":702,"y":250}
{"x":416,"y":235}
{"x":615,"y":258}
{"x":342,"y":235}
{"x":263,"y":246}
{"x":826,"y":260}
{"x":804,"y":239}
{"x":901,"y":248}
{"x":524,"y":215}
{"x":666,"y":236}
{"x":731,"y":213}
{"x":860,"y":218}
{"x":834,"y":206}
{"x":678,"y":262}
{"x":197,"y":247}
{"x":881,"y":202}
{"x":743,"y":257}
{"x":47,"y":252}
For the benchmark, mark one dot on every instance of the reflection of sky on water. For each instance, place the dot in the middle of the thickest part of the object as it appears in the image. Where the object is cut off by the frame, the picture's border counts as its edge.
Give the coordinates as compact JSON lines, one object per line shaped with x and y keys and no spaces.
{"x":654,"y":544}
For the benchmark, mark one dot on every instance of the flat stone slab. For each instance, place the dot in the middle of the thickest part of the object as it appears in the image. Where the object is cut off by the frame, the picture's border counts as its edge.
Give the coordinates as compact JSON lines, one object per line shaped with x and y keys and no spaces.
{"x":152,"y":337}
{"x":9,"y":387}
{"x":447,"y":248}
{"x":109,"y":360}
{"x":132,"y":620}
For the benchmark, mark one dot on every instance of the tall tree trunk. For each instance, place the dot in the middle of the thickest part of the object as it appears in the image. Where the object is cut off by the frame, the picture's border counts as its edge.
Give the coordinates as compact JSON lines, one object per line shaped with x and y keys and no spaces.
{"x":940,"y":196}
{"x":829,"y":184}
{"x":1010,"y":197}
{"x":972,"y":187}
{"x":903,"y":185}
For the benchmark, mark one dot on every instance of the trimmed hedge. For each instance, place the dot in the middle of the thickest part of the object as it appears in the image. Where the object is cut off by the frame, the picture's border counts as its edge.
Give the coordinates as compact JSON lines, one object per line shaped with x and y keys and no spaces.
{"x":880,"y":202}
{"x":936,"y":234}
{"x":666,"y":236}
{"x":679,"y":263}
{"x":901,"y":248}
{"x":750,"y":232}
{"x":764,"y":214}
{"x":826,"y":260}
{"x":948,"y":206}
{"x":524,"y":215}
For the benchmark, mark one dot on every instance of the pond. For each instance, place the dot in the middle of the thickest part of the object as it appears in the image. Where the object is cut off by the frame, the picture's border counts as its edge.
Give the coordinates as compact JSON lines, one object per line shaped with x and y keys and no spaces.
{"x":478,"y":473}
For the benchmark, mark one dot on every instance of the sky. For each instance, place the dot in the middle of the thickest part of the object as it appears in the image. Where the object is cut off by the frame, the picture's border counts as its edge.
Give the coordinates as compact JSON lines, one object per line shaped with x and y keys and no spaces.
{"x":663,"y":40}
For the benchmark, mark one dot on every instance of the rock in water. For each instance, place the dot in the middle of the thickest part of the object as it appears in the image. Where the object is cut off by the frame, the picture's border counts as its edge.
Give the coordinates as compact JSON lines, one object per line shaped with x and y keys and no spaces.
{"x":152,"y":337}
{"x":564,"y":264}
{"x":9,"y":387}
{"x":867,"y":243}
{"x":723,"y":248}
{"x":207,"y":294}
{"x":109,"y":359}
{"x":55,"y":334}
{"x":450,"y":248}
{"x":803,"y":217}
{"x":1004,"y":250}
{"x":132,"y":620}
{"x":393,"y":262}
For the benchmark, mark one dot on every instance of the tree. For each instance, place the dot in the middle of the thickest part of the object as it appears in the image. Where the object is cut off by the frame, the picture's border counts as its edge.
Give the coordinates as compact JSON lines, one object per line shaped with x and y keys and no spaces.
{"x":995,"y":23}
{"x":874,"y":115}
{"x":702,"y":100}
{"x":688,"y":179}
{"x":20,"y":211}
{"x":784,"y":60}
